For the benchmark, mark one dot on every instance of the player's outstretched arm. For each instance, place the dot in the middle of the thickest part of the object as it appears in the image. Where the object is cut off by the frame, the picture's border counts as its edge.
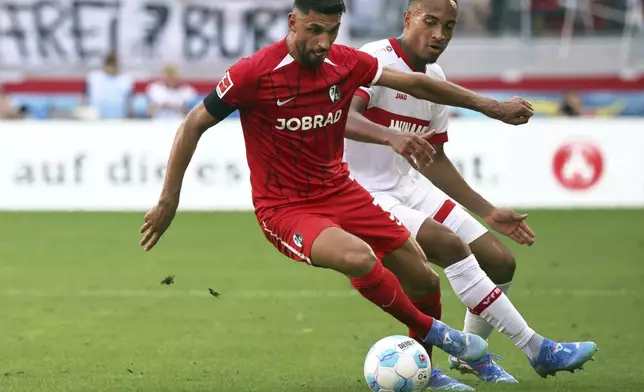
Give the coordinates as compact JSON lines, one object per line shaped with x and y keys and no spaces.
{"x":416,"y":149}
{"x":447,"y":178}
{"x":158,"y":219}
{"x":195,"y":124}
{"x":515,"y":111}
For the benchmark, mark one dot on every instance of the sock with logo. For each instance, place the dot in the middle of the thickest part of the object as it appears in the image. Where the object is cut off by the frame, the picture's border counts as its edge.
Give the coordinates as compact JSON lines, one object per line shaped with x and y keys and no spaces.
{"x":484,"y":298}
{"x":475,"y":324}
{"x":430,"y":306}
{"x":381,"y":287}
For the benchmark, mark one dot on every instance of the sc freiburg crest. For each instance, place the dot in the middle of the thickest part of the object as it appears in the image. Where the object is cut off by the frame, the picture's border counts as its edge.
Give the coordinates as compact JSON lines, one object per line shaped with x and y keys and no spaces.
{"x":334,"y":93}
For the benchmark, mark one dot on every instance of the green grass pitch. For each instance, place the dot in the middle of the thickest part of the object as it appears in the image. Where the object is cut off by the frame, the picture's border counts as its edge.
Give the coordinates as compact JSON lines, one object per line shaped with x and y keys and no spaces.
{"x":82,"y":307}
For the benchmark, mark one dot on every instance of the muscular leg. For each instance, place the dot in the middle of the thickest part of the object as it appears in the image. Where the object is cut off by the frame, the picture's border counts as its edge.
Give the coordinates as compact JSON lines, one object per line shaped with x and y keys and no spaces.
{"x":420,"y":282}
{"x":338,"y":250}
{"x":495,"y":258}
{"x":470,"y":282}
{"x":479,"y":293}
{"x":472,"y":286}
{"x":418,"y":279}
{"x":442,"y":246}
{"x":499,"y":264}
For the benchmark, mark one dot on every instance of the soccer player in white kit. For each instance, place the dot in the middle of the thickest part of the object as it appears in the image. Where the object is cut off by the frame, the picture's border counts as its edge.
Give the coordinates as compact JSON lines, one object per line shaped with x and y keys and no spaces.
{"x":449,"y":235}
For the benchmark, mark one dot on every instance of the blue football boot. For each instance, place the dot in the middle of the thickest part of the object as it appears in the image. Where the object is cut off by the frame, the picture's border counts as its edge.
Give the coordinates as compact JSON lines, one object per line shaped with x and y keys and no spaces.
{"x":485,"y":369}
{"x":464,"y":346}
{"x":556,"y":357}
{"x":439,"y":381}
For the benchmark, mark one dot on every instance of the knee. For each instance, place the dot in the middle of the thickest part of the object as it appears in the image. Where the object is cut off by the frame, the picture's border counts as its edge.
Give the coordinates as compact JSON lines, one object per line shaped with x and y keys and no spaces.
{"x":457,"y":247}
{"x":359,"y":262}
{"x":507,"y":267}
{"x":446,"y":247}
{"x":502,"y":269}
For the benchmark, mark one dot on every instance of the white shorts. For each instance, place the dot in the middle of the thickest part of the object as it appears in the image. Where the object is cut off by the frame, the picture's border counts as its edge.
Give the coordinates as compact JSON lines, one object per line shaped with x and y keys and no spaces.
{"x":415,"y":200}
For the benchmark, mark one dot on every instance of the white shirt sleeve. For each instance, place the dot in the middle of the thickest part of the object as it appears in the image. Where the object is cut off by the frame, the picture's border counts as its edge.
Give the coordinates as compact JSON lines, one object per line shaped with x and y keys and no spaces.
{"x":370,"y":94}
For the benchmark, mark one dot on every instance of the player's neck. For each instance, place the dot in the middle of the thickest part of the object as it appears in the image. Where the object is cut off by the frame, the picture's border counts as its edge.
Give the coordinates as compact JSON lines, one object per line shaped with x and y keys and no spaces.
{"x":292,"y":49}
{"x":418,"y":65}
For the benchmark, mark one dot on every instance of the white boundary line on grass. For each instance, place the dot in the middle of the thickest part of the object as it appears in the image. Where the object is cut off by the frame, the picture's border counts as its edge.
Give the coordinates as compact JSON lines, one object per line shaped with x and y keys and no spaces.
{"x":171,"y":292}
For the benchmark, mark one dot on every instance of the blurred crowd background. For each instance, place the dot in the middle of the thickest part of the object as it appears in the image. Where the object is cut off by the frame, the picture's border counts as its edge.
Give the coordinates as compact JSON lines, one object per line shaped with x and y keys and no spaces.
{"x":157,"y":59}
{"x":536,"y":18}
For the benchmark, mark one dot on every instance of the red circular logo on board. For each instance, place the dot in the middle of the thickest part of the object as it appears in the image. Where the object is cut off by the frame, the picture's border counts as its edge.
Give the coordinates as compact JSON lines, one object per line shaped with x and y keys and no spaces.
{"x":578,"y":165}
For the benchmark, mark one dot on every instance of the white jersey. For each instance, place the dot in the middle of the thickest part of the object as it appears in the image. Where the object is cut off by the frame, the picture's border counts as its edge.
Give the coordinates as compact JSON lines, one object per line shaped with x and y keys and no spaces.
{"x":376,"y":167}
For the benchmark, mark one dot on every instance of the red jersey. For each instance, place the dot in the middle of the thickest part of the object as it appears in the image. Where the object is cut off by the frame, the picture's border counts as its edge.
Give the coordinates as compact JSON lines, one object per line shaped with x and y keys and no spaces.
{"x":294,"y":120}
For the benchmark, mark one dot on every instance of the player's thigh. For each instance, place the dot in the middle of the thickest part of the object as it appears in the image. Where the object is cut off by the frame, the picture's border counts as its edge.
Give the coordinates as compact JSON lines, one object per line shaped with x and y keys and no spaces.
{"x":494,"y":258}
{"x":336,"y":249}
{"x":319,"y":241}
{"x":294,"y":233}
{"x":441,"y":246}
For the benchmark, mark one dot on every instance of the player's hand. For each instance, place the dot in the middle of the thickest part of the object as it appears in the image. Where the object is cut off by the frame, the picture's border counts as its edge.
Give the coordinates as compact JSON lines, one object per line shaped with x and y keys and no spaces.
{"x":511,"y":224}
{"x":415,"y":148}
{"x":516,"y":111}
{"x":156,"y":222}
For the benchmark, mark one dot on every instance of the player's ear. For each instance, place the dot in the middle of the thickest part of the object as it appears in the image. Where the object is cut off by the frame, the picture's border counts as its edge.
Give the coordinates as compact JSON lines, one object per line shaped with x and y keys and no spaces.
{"x":407,"y":19}
{"x":292,"y":18}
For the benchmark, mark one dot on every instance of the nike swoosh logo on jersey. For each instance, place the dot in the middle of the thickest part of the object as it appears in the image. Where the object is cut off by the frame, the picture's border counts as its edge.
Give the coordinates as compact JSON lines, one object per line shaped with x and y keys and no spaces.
{"x":282,"y":103}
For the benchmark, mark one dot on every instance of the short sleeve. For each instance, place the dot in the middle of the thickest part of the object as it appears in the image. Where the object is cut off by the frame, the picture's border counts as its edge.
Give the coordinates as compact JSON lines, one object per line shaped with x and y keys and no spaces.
{"x":368,"y":91}
{"x":236,"y":87}
{"x":368,"y":68}
{"x":440,"y":113}
{"x":235,"y":90}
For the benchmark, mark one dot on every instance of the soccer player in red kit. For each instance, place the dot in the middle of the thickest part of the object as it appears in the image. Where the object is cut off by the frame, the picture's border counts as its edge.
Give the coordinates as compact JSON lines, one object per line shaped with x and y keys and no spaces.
{"x":293,"y":98}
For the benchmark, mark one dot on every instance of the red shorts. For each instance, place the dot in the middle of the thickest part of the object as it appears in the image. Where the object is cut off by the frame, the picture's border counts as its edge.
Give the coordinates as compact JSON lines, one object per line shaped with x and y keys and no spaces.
{"x":292,"y":230}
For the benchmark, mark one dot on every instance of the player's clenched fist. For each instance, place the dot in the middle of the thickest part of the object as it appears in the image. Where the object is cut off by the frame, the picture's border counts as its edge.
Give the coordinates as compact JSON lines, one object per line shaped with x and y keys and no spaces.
{"x":415,"y":148}
{"x":516,"y":111}
{"x":156,"y":222}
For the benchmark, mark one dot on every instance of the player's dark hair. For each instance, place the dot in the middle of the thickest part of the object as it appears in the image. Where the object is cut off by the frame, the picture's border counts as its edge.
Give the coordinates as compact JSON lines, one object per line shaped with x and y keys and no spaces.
{"x":412,"y":2}
{"x":327,"y":7}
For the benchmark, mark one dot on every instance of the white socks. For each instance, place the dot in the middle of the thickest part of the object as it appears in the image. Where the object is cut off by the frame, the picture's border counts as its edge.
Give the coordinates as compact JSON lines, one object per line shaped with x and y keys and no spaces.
{"x":476,"y":324}
{"x":486,"y":300}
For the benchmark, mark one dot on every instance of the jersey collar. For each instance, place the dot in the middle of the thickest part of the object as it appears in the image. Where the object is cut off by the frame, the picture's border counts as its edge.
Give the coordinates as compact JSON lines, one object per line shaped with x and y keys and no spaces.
{"x":400,"y":53}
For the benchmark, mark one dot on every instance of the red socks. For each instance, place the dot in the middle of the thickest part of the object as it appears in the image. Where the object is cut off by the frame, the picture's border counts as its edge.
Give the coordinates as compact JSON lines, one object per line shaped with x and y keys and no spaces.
{"x":381,"y":287}
{"x":431,"y":306}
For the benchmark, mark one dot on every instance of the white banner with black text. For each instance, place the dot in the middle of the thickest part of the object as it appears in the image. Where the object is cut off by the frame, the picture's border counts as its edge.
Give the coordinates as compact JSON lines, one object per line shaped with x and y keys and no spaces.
{"x":196,"y":34}
{"x":121,"y":165}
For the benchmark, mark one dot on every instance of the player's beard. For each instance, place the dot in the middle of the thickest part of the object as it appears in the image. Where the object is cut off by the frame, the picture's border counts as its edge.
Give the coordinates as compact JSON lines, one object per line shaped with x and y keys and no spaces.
{"x":307,"y":58}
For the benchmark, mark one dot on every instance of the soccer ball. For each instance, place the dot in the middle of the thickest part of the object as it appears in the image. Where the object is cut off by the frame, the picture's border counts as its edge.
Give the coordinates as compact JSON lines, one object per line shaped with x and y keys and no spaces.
{"x":397,"y":364}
